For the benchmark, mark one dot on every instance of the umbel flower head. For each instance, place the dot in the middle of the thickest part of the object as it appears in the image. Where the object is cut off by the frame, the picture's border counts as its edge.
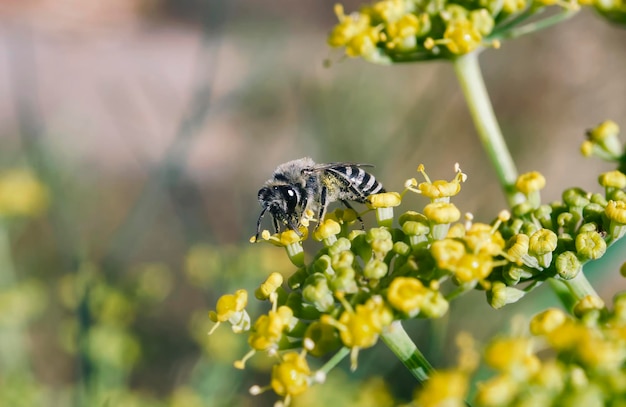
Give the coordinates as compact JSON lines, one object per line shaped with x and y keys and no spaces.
{"x":390,"y":31}
{"x":362,"y":283}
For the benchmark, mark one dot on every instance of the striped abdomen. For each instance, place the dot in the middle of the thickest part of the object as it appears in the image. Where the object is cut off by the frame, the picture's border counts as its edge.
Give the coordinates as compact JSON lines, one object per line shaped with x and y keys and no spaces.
{"x":359,"y":182}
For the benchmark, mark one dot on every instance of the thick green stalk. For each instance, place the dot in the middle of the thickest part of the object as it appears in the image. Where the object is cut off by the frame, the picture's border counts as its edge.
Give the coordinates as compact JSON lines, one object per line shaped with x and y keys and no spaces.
{"x":403,"y":347}
{"x":572,"y":291}
{"x":473,"y":86}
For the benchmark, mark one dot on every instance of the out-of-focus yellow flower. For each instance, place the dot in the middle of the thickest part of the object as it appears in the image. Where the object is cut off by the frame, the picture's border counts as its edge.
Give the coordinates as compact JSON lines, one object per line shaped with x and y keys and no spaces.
{"x":443,"y":388}
{"x":268,"y":328}
{"x":21,"y":194}
{"x":603,"y":139}
{"x":292,"y":376}
{"x":113,"y":346}
{"x":392,"y":10}
{"x":547,"y":321}
{"x":402,"y":33}
{"x":154,"y":281}
{"x":512,"y":355}
{"x":497,"y":391}
{"x":462,"y":37}
{"x":22,"y":302}
{"x":184,"y":396}
{"x":603,"y":131}
{"x":357,"y":35}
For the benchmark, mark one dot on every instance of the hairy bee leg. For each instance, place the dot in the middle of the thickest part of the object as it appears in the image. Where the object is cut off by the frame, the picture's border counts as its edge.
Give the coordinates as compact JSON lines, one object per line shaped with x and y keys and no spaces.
{"x":347,"y":204}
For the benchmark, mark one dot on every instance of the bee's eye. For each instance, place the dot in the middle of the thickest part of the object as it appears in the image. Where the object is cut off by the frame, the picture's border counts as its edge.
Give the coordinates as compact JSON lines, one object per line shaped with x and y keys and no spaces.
{"x":290,"y":196}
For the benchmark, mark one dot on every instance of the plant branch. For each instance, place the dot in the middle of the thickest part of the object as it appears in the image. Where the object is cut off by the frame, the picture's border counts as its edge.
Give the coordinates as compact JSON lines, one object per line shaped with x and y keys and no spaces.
{"x":473,"y":86}
{"x":403,"y":347}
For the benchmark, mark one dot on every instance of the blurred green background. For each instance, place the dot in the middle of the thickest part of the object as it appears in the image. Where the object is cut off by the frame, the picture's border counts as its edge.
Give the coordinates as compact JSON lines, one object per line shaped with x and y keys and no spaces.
{"x":151,"y":125}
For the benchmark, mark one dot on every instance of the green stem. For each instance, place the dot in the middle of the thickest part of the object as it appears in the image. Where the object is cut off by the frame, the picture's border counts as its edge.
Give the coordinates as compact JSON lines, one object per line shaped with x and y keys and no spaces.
{"x":334,"y":361}
{"x":473,"y":86}
{"x":572,"y":291}
{"x":563,"y":293}
{"x":403,"y":347}
{"x":580,"y":287}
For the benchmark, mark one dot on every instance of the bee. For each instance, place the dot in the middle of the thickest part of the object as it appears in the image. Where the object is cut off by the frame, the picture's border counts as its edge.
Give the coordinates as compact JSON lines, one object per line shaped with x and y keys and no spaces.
{"x":301,"y":185}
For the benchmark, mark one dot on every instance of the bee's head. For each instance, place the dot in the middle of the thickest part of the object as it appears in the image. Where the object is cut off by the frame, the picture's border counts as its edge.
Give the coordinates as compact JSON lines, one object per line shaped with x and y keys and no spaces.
{"x":281,"y":201}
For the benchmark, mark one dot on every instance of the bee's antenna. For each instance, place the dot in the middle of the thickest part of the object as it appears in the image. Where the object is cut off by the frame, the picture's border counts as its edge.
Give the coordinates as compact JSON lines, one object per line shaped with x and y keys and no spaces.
{"x":258,"y":224}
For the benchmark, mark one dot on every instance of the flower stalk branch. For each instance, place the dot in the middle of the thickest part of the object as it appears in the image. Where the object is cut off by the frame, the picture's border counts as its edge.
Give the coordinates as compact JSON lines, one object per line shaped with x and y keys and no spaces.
{"x":471,"y":80}
{"x":400,"y":343}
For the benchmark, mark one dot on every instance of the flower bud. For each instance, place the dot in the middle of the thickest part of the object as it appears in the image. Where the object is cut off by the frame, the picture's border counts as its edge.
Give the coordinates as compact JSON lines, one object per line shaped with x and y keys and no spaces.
{"x":501,"y":295}
{"x":327,"y":231}
{"x":616,"y":213}
{"x":317,"y":293}
{"x":590,"y":245}
{"x":567,"y":265}
{"x":541,"y":245}
{"x":375,"y":269}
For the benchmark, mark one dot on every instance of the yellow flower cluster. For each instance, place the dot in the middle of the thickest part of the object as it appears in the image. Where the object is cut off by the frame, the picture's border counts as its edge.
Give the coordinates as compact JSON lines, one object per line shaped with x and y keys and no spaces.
{"x":587,"y":367}
{"x":469,"y":253}
{"x":361,"y":283}
{"x":603,"y":142}
{"x":21,"y":194}
{"x":582,"y":363}
{"x":390,"y":31}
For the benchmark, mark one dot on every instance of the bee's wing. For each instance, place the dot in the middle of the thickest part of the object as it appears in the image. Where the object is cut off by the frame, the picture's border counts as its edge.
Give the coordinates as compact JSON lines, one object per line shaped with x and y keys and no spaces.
{"x":345,"y":173}
{"x":334,"y":166}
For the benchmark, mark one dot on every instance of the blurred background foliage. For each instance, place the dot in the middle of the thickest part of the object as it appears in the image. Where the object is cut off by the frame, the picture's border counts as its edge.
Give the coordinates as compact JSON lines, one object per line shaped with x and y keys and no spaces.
{"x":134,"y":135}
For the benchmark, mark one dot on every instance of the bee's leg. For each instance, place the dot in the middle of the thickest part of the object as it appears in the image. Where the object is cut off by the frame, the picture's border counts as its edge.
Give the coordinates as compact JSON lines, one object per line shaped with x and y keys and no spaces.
{"x":323,"y":205}
{"x":258,"y":225}
{"x":276,"y":224}
{"x":347,"y":204}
